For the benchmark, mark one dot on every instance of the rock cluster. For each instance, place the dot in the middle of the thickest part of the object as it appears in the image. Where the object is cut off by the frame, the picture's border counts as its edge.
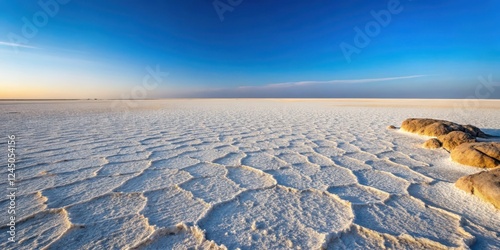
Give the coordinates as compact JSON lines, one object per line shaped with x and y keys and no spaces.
{"x":461,"y":142}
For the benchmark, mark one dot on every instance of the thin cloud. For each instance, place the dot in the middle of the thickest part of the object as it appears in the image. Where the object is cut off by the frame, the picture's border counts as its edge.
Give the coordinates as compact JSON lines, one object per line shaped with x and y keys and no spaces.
{"x":349,"y":81}
{"x":16,"y":45}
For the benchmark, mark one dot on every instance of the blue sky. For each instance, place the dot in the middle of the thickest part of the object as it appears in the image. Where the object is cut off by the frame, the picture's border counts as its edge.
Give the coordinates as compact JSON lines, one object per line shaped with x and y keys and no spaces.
{"x":105,"y":49}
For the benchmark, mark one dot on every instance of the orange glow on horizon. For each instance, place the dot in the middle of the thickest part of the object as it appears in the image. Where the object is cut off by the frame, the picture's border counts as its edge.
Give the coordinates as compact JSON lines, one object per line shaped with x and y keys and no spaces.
{"x":40,"y":92}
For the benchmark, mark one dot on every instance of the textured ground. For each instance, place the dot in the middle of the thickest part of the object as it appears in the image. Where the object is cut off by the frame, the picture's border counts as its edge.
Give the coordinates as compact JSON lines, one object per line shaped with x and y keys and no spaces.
{"x":248,"y":174}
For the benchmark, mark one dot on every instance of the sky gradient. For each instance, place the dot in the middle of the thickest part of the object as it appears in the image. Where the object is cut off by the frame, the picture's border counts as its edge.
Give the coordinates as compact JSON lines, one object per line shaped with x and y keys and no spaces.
{"x":242,"y":48}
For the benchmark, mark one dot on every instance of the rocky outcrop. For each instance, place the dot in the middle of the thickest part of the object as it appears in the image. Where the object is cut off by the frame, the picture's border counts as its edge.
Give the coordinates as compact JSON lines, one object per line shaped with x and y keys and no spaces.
{"x":479,"y":154}
{"x":454,"y":139}
{"x":485,"y":185}
{"x":435,"y":128}
{"x":460,"y":141}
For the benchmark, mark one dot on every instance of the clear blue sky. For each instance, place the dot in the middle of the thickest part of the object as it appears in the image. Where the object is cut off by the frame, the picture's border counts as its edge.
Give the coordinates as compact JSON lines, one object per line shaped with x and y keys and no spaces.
{"x":101,"y":49}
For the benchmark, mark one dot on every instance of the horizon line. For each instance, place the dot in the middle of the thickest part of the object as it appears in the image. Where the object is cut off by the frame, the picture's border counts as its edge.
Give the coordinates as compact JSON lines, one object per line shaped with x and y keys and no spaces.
{"x":177,"y":98}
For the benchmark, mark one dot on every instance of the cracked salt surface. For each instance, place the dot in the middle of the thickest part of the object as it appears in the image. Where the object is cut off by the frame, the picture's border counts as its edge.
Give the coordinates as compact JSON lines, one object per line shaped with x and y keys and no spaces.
{"x":247,"y":174}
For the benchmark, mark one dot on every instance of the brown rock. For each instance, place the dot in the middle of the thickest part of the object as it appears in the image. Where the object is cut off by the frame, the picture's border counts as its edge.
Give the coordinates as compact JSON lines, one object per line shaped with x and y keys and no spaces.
{"x":475,"y":131}
{"x":455,"y":138}
{"x":429,"y":127}
{"x":434,"y":127}
{"x":432,"y":144}
{"x":479,"y":154}
{"x":486,"y":185}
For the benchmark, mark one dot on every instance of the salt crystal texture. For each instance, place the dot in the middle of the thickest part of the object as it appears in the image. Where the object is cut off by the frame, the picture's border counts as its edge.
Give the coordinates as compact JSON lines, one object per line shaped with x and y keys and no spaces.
{"x":241,"y":174}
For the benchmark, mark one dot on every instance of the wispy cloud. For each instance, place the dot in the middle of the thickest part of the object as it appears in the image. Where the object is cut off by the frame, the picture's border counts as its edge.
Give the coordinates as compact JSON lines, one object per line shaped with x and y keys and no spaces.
{"x":16,"y":45}
{"x":349,"y":88}
{"x":348,"y":81}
